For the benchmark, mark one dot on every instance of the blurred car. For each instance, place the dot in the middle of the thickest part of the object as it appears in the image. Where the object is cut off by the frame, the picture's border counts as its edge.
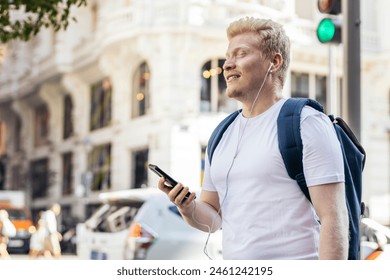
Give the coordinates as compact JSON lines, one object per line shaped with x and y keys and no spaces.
{"x":14,"y":202}
{"x":21,"y":218}
{"x":142,"y":224}
{"x":68,"y":241}
{"x":375,"y":240}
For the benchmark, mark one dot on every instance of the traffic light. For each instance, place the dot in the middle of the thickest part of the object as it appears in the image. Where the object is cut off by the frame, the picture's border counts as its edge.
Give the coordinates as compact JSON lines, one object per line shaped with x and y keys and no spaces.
{"x":329,"y":28}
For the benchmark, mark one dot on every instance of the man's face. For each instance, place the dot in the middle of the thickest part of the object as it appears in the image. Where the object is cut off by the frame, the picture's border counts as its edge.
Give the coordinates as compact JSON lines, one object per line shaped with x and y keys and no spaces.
{"x":245,"y":67}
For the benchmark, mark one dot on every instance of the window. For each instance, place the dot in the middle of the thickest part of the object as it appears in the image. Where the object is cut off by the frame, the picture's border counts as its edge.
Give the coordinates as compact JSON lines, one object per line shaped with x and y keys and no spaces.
{"x":68,"y":120}
{"x":17,"y":133}
{"x":16,"y":178}
{"x":3,"y":167}
{"x":99,"y":164}
{"x":39,"y":178}
{"x":91,"y":208}
{"x":94,"y":17}
{"x":112,"y":216}
{"x":41,"y":125}
{"x":309,"y":86}
{"x":320,"y":94}
{"x":3,"y":155}
{"x":299,"y":85}
{"x":101,"y":104}
{"x":213,"y":96}
{"x":140,"y":170}
{"x":67,"y":174}
{"x":141,"y":91}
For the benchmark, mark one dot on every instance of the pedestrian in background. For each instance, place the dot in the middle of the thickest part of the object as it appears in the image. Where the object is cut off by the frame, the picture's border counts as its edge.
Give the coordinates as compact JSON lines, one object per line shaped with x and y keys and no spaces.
{"x":53,"y":237}
{"x":7,"y":229}
{"x":37,"y":240}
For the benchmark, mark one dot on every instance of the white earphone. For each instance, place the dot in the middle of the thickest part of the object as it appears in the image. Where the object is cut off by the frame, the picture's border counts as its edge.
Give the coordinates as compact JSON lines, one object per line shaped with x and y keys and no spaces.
{"x":270,"y":67}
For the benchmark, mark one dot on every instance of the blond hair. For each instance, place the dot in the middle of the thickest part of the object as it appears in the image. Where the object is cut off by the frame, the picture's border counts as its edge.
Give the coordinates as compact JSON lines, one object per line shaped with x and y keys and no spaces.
{"x":271,"y":37}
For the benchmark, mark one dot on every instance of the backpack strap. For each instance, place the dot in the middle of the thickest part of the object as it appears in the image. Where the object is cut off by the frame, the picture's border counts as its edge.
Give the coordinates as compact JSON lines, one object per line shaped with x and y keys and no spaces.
{"x":289,"y":137}
{"x":218,"y":132}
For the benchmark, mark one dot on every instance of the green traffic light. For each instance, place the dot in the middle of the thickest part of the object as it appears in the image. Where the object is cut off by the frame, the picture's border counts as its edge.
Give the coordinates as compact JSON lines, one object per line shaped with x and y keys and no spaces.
{"x":326,"y":30}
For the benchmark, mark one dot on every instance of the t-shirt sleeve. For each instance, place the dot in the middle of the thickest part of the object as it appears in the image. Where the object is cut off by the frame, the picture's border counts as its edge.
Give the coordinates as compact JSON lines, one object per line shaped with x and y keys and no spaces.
{"x":207,"y":183}
{"x":322,"y":155}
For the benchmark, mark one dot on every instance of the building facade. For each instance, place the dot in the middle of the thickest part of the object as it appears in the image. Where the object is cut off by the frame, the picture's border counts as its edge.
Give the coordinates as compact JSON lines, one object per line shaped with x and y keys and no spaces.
{"x":83,"y":111}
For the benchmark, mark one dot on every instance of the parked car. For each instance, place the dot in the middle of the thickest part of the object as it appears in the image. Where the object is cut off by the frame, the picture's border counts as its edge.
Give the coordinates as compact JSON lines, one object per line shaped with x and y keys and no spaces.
{"x":21,"y":218}
{"x":375,"y":240}
{"x":142,"y":224}
{"x":68,"y":241}
{"x":14,"y":202}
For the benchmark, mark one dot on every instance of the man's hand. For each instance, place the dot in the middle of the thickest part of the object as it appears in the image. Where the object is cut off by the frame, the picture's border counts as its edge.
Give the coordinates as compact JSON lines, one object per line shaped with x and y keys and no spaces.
{"x":177,"y":196}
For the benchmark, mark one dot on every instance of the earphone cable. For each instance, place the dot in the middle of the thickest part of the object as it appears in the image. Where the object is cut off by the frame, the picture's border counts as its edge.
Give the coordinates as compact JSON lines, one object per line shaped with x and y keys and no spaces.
{"x":229,"y":170}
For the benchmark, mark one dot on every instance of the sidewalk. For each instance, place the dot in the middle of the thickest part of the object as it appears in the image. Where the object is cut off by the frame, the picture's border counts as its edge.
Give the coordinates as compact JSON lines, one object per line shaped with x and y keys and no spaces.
{"x":27,"y":257}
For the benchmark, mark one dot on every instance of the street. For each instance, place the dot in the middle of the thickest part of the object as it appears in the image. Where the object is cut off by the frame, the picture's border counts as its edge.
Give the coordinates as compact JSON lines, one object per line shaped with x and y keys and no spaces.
{"x":383,"y":256}
{"x":27,"y":257}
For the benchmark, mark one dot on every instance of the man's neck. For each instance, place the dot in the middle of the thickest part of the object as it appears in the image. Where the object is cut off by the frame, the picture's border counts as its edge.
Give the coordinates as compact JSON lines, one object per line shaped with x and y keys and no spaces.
{"x":263,"y":103}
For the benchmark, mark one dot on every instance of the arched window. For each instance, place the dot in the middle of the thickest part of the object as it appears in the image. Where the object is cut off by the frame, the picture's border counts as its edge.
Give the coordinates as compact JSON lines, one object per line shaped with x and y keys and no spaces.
{"x":141,"y":91}
{"x":213,"y":89}
{"x":101,"y":93}
{"x":41,"y":125}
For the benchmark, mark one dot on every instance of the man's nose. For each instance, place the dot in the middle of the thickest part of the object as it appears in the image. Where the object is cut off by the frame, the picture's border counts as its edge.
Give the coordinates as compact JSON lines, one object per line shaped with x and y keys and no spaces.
{"x":228,"y":65}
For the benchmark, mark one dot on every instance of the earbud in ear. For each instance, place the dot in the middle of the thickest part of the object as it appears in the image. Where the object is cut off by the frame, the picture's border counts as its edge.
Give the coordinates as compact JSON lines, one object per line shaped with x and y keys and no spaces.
{"x":270,"y":67}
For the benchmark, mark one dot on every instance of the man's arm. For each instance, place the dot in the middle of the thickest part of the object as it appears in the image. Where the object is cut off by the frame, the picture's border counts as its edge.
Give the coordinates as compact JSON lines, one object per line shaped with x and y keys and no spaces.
{"x":202,"y":214}
{"x":329,"y":203}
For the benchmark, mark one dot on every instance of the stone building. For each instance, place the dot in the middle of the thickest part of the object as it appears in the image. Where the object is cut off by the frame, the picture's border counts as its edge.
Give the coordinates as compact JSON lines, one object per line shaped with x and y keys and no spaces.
{"x":83,"y":111}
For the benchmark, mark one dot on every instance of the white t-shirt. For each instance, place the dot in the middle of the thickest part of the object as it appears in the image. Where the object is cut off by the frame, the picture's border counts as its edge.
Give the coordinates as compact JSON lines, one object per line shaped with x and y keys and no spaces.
{"x":50,"y":221}
{"x":264,"y":213}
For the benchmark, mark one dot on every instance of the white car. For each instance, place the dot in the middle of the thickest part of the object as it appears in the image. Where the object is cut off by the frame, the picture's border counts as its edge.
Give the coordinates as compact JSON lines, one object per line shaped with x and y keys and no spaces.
{"x":375,"y":240}
{"x":142,"y":224}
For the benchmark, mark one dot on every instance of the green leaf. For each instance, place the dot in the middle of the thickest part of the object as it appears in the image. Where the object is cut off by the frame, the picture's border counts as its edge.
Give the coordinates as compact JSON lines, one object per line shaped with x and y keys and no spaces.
{"x":39,"y":14}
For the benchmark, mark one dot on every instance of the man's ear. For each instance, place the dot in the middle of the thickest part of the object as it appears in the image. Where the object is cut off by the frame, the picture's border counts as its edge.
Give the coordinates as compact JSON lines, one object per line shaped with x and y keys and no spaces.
{"x":277,"y":62}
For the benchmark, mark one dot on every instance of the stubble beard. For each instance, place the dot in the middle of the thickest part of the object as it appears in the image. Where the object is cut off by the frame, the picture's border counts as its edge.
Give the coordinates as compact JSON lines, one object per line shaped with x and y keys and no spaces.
{"x":234,"y":93}
{"x":239,"y":95}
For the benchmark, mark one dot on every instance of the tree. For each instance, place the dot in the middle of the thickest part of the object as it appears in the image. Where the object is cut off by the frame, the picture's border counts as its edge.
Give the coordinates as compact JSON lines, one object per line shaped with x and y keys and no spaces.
{"x":22,"y":19}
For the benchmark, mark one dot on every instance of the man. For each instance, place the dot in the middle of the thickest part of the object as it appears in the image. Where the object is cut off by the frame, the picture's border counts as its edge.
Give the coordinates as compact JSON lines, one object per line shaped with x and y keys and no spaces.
{"x":246,"y":189}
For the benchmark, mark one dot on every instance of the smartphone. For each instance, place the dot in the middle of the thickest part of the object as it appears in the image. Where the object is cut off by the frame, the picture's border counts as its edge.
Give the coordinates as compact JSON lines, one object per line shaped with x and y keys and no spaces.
{"x":169,"y":181}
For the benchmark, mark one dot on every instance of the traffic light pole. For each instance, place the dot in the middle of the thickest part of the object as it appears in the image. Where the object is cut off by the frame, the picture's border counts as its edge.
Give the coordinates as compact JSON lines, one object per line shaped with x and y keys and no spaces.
{"x":351,"y":83}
